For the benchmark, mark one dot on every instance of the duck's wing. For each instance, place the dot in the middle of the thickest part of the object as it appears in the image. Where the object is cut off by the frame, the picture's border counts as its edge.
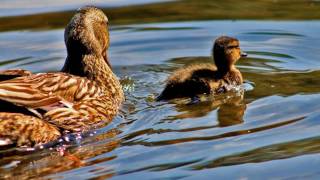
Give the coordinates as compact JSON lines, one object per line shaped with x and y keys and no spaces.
{"x":13,"y":73}
{"x":6,"y":106}
{"x":22,"y":130}
{"x":45,"y":90}
{"x":70,"y":102}
{"x":86,"y":114}
{"x":23,"y":92}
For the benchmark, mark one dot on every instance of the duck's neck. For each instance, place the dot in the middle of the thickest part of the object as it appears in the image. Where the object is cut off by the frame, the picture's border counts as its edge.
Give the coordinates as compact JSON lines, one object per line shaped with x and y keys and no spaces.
{"x":95,"y":68}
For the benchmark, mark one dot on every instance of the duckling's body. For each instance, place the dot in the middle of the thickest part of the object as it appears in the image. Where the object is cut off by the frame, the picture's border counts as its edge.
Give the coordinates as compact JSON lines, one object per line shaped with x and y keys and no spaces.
{"x":199,"y":79}
{"x":207,"y":78}
{"x":85,"y":95}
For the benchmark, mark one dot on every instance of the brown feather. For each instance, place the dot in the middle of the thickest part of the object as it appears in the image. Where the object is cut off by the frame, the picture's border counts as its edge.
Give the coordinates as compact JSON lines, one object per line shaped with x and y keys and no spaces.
{"x":86,"y":95}
{"x":27,"y":132}
{"x":13,"y":73}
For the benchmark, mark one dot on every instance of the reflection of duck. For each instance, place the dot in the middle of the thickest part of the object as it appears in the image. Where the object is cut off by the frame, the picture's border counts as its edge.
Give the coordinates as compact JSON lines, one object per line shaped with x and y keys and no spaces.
{"x":64,"y":101}
{"x":52,"y":162}
{"x":207,"y":78}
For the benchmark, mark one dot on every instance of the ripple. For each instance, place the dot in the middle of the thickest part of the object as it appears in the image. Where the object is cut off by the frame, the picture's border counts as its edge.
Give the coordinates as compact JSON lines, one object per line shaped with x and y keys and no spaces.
{"x":14,"y":61}
{"x":271,"y":54}
{"x":272,"y":125}
{"x":275,"y":33}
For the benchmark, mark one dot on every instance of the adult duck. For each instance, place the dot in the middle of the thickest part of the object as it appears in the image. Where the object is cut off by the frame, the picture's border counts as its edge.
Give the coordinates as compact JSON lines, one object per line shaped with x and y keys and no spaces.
{"x":207,"y":78}
{"x":85,"y":95}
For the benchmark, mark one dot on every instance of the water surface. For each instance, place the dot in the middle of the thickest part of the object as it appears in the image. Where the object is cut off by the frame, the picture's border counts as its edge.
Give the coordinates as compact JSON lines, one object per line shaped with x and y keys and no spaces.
{"x":271,"y":130}
{"x":17,"y":7}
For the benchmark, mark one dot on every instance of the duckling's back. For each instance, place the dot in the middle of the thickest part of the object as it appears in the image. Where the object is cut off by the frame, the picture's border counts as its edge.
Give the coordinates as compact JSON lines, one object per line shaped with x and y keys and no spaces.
{"x":190,"y":81}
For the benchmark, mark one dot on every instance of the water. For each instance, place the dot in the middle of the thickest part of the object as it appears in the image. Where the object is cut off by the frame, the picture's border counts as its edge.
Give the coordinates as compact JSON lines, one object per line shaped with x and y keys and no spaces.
{"x":269,"y":131}
{"x":17,"y":7}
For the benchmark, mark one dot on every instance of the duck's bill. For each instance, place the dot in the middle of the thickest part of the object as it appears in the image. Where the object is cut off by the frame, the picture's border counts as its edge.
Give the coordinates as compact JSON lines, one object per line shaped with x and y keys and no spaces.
{"x":243,"y":54}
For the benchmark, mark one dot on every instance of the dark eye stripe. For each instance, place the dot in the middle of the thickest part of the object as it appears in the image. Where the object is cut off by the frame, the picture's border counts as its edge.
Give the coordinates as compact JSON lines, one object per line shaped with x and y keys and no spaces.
{"x":230,"y":47}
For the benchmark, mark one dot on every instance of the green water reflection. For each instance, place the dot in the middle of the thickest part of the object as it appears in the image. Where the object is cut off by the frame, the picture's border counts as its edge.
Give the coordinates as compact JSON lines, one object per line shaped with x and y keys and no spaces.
{"x":181,"y":10}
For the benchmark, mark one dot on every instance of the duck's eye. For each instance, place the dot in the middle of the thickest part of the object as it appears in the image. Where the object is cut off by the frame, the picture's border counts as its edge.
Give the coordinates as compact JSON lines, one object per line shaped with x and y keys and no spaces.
{"x":105,"y":23}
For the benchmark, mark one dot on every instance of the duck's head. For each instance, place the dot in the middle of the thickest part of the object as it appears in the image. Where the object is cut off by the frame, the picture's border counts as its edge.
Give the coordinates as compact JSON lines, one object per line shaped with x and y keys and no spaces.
{"x":87,"y":34}
{"x":226,"y":52}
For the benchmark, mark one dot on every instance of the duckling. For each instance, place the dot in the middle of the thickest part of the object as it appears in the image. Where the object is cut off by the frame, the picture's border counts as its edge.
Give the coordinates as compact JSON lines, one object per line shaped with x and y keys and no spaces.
{"x":85,"y":95}
{"x":206,"y":78}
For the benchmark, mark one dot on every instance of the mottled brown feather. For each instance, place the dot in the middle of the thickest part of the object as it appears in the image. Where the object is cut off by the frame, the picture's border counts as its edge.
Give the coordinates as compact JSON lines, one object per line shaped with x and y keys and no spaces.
{"x":85,"y":95}
{"x":23,"y":130}
{"x":13,"y":73}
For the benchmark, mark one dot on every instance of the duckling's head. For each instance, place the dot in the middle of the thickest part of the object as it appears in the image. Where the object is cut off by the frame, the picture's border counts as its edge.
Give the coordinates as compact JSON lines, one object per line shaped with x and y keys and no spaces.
{"x":87,"y":34}
{"x":226,"y":52}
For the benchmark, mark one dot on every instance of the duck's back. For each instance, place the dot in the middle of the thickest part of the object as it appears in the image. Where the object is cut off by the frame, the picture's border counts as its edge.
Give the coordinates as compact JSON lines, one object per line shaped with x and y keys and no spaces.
{"x":198,"y":79}
{"x":55,"y":96}
{"x":13,"y":73}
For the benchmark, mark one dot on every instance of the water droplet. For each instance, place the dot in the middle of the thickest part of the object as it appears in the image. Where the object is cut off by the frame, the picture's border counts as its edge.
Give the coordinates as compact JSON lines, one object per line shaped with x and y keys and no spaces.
{"x":66,"y":138}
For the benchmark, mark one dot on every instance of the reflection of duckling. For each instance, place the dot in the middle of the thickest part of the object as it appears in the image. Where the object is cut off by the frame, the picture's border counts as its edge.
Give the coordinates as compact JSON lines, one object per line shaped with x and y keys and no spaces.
{"x":230,"y":109}
{"x":207,"y":78}
{"x":231,"y":112}
{"x":64,"y":101}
